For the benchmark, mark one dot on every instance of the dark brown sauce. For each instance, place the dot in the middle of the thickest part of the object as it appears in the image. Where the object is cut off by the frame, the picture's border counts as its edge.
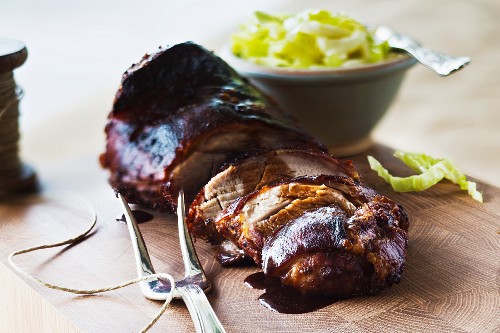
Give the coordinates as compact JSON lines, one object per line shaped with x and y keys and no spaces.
{"x":140,"y":216}
{"x":283,"y":299}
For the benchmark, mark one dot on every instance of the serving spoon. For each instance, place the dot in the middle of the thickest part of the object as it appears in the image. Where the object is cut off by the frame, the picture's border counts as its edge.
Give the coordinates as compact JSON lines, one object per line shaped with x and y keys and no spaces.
{"x":441,"y":63}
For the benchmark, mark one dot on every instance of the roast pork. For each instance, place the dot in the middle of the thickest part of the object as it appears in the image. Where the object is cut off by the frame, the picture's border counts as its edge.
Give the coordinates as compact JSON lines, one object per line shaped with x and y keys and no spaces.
{"x":259,"y":186}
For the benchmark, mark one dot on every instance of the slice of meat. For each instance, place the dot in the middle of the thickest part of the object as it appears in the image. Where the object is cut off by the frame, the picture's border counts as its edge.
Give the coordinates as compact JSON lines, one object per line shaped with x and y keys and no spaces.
{"x":248,"y":174}
{"x":250,"y":220}
{"x":327,"y":251}
{"x":178,"y":116}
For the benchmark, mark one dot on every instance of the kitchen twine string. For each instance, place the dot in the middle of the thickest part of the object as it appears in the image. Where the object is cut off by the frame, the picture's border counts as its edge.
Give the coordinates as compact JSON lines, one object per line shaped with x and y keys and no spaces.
{"x":76,"y":239}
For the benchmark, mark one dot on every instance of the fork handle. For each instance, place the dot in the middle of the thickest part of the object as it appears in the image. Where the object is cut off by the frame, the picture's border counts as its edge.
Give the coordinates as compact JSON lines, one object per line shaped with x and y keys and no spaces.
{"x":204,"y":318}
{"x":440,"y":63}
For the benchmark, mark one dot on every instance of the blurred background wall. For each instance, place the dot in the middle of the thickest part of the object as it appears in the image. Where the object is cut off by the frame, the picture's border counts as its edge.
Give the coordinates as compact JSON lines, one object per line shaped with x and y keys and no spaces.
{"x":78,"y":51}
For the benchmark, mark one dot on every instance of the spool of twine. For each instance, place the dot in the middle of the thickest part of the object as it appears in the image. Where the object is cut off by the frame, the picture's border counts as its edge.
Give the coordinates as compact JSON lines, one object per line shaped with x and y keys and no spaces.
{"x":15,"y":176}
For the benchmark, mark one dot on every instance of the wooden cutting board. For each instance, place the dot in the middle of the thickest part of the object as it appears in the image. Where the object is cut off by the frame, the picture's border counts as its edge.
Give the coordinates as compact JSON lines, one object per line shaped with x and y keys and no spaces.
{"x":450,"y":283}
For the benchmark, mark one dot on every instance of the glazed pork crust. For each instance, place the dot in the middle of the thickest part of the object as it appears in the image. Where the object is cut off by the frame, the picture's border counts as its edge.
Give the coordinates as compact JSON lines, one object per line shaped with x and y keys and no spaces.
{"x":328,"y":251}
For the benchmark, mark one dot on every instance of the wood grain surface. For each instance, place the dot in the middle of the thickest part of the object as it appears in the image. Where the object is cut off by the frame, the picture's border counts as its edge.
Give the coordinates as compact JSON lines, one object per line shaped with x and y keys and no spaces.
{"x":450,"y":284}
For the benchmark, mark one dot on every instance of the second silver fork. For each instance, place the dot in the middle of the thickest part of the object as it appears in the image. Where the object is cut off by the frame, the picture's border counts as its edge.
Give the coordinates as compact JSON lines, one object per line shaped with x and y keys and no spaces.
{"x":191,"y":288}
{"x":441,"y":63}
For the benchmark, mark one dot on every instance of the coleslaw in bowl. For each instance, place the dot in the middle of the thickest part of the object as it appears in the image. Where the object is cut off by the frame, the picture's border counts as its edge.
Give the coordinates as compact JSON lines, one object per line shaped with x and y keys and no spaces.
{"x":339,"y":99}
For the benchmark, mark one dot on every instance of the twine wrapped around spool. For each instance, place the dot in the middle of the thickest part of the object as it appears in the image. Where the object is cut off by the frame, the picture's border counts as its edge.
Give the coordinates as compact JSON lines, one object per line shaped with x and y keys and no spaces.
{"x":15,"y":176}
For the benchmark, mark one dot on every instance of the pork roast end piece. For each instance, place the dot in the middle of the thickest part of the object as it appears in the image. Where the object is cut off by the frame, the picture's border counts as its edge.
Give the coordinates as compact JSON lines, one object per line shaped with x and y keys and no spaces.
{"x":180,"y":114}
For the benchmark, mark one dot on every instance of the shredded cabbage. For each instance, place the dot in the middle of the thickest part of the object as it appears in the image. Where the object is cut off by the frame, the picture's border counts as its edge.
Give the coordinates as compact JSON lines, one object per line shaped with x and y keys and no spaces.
{"x":310,"y":39}
{"x":432,"y":170}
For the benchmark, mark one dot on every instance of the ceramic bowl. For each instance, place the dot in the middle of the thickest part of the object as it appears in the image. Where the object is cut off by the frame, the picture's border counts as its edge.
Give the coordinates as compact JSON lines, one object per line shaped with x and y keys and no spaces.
{"x":339,"y":106}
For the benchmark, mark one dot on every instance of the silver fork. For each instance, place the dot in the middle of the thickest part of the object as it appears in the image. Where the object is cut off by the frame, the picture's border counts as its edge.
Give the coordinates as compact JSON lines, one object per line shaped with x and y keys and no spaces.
{"x":191,"y":288}
{"x":441,"y":63}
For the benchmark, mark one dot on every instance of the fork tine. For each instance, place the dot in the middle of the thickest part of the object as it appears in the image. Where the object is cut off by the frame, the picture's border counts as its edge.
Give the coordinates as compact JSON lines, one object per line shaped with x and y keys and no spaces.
{"x":142,"y":259}
{"x":153,"y":289}
{"x":192,"y":264}
{"x":193,"y":292}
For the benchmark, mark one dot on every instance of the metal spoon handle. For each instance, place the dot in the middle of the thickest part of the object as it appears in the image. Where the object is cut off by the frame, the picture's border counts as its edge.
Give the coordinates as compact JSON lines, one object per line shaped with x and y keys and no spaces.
{"x":204,"y":318}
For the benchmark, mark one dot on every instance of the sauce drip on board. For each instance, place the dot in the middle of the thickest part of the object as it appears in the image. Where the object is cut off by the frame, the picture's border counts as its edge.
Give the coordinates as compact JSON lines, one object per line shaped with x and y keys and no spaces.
{"x":283,"y":299}
{"x":140,"y":216}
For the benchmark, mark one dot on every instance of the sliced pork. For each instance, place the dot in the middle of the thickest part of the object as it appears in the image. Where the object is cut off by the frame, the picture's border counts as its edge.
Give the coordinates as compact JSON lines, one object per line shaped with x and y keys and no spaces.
{"x":251,"y":219}
{"x":324,"y":234}
{"x":248,"y":174}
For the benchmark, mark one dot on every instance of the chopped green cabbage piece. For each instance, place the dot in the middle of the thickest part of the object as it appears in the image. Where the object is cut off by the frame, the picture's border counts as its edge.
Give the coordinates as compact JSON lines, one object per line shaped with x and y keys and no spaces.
{"x":310,"y":39}
{"x":432,"y":170}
